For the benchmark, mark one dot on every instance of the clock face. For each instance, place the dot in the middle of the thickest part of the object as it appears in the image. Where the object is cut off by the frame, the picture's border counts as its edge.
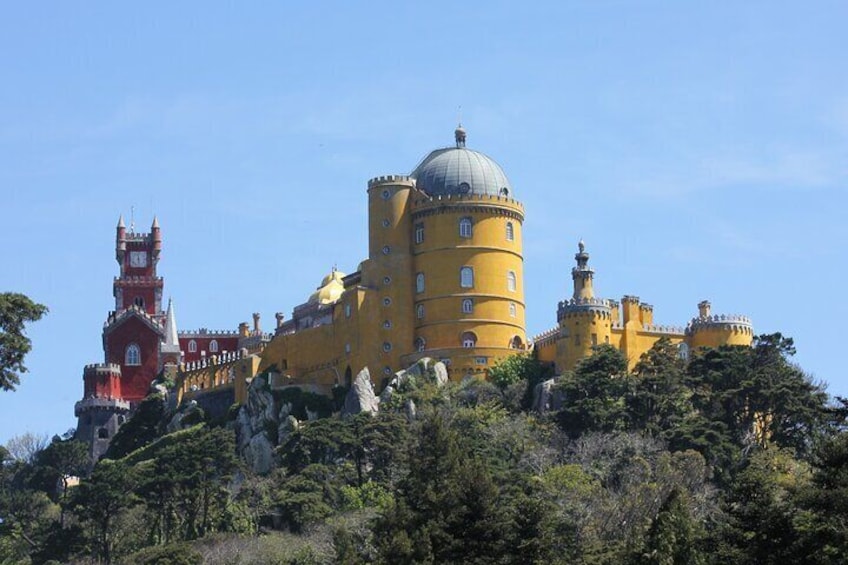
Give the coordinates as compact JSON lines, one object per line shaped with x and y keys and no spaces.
{"x":138,"y":259}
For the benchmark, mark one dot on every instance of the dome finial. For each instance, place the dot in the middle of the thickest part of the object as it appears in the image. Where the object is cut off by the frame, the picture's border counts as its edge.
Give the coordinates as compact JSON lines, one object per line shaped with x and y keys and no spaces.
{"x":581,"y":245}
{"x":459,"y":135}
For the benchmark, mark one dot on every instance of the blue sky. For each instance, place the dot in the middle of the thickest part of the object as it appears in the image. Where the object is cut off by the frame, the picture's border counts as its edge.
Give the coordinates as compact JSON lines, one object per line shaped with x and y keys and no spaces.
{"x":700,"y":149}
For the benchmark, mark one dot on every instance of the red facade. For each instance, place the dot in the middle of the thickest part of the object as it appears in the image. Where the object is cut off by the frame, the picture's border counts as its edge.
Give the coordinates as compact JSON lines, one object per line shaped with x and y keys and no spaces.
{"x":203,"y":345}
{"x":136,"y":374}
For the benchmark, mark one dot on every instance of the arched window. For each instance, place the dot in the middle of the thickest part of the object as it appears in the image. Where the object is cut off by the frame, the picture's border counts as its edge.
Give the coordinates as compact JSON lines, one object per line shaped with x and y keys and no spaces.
{"x":419,"y":233}
{"x":512,"y":310}
{"x":465,"y":229}
{"x":139,"y":301}
{"x":192,"y":346}
{"x":132,"y":355}
{"x":469,"y":339}
{"x":466,"y":277}
{"x":510,"y":281}
{"x":467,"y":306}
{"x":420,"y":344}
{"x":510,"y":232}
{"x":213,"y":346}
{"x":419,"y":282}
{"x":516,"y":343}
{"x":683,"y":351}
{"x":419,"y":311}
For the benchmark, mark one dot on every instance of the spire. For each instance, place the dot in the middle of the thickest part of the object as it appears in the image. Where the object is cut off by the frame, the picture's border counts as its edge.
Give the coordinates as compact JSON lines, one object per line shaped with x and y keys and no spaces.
{"x":155,"y":225}
{"x":582,"y":274}
{"x":459,"y":134}
{"x":121,"y":221}
{"x":171,"y":326}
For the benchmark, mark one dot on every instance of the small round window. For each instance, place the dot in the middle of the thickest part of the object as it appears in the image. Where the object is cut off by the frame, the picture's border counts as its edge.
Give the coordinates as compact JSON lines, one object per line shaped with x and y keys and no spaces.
{"x":387,"y":370}
{"x":387,"y":280}
{"x":387,"y":301}
{"x":387,"y":346}
{"x":386,"y":223}
{"x":386,"y":250}
{"x":386,"y":194}
{"x":387,"y":324}
{"x":464,"y":188}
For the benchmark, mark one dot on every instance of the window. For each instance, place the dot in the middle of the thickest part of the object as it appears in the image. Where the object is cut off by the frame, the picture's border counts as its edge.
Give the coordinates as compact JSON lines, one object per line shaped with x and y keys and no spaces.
{"x":387,"y":301}
{"x":347,"y":348}
{"x":386,"y":250}
{"x":510,"y":281}
{"x":387,"y":324}
{"x":102,"y":433}
{"x":133,"y":355}
{"x":419,"y":282}
{"x":594,"y":340}
{"x":466,"y":277}
{"x":469,"y":339}
{"x":387,"y":280}
{"x":387,"y":346}
{"x":512,"y":309}
{"x":192,"y":346}
{"x":419,"y":233}
{"x":465,"y":227}
{"x":516,"y":343}
{"x":347,"y":310}
{"x":481,"y":360}
{"x":386,"y":222}
{"x":467,"y":306}
{"x":386,"y":194}
{"x":510,"y":232}
{"x":139,"y":301}
{"x":213,"y":346}
{"x":420,"y":344}
{"x":504,"y":191}
{"x":419,"y":311}
{"x":683,"y":351}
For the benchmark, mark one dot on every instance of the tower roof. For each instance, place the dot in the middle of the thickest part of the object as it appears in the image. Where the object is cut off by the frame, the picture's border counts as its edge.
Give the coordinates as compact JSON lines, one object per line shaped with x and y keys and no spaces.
{"x":171,"y":326}
{"x":459,"y":170}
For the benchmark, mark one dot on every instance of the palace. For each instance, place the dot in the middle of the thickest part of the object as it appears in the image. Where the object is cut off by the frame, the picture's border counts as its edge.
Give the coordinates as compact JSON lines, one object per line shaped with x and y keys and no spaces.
{"x":443,"y":279}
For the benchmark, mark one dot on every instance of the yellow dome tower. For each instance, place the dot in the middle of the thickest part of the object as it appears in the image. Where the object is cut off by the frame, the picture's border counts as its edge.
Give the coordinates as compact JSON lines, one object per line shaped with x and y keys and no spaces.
{"x":708,"y":330}
{"x":468,"y":267}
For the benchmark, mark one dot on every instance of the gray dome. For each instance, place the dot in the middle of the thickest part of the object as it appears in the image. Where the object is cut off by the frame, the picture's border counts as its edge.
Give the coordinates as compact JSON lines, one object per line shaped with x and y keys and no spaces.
{"x":457,"y":170}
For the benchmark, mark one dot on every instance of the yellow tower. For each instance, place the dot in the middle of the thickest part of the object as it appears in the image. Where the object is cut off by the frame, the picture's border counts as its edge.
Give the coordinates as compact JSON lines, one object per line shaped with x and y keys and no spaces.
{"x":468,"y":267}
{"x":708,"y":330}
{"x":585,"y":321}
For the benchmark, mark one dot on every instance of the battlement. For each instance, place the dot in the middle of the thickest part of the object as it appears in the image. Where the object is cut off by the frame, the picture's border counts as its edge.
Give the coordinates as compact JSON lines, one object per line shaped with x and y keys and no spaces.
{"x":644,"y":306}
{"x":95,"y":403}
{"x":115,"y":316}
{"x":136,"y":280}
{"x":727,"y":322}
{"x":390,"y":179}
{"x":662,"y":329}
{"x":429,"y":201}
{"x":546,"y":337}
{"x":102,"y":369}
{"x":627,"y":298}
{"x":584,"y":306}
{"x":203,"y":332}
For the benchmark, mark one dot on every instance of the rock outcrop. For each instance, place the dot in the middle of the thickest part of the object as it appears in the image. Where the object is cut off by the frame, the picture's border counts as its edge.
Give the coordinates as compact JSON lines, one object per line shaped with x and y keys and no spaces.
{"x":361,"y":398}
{"x":546,"y":398}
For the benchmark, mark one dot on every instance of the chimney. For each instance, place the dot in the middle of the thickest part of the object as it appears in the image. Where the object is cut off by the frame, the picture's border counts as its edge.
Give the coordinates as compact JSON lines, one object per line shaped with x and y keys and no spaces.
{"x":256,"y":327}
{"x":280,"y":317}
{"x":704,"y":309}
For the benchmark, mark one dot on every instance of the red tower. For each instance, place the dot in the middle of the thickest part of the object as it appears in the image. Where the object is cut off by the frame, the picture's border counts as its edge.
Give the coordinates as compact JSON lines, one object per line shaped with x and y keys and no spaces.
{"x":133,"y":340}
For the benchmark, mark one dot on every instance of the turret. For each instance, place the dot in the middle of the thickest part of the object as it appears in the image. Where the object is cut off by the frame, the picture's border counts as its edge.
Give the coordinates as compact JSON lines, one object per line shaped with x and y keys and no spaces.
{"x":582,"y":274}
{"x":715,"y":330}
{"x":120,"y":240}
{"x":157,"y":238}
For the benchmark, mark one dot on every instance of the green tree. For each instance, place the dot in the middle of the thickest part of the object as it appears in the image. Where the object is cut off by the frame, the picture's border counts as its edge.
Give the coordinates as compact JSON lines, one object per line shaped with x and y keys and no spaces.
{"x":673,"y":535}
{"x":60,"y":461}
{"x":101,"y":499}
{"x":659,"y":398}
{"x":16,"y":310}
{"x":594,"y":394}
{"x":143,"y":428}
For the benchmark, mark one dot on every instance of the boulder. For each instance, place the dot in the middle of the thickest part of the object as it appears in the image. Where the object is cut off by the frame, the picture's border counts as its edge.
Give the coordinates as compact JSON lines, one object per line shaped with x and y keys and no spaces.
{"x":440,"y":373}
{"x":259,"y":453}
{"x":361,"y":398}
{"x":545,"y":397}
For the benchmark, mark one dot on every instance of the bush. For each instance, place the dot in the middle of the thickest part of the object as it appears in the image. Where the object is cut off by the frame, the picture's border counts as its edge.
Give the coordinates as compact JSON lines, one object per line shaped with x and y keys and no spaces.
{"x":173,"y":554}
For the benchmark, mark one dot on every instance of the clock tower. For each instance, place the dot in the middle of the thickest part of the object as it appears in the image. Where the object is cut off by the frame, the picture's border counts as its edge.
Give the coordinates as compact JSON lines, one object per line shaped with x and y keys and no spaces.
{"x":137,"y":285}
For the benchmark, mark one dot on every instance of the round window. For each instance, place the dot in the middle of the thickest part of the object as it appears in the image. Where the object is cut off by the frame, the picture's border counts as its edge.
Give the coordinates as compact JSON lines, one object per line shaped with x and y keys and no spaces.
{"x":387,"y":280}
{"x":464,"y":188}
{"x":386,"y":194}
{"x":386,"y":223}
{"x":387,"y":324}
{"x":387,"y":346}
{"x":386,"y":250}
{"x":387,"y":301}
{"x":387,"y":370}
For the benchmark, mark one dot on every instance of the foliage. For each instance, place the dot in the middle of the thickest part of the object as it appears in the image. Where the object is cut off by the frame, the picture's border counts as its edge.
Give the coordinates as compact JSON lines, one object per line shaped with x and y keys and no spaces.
{"x":16,"y":310}
{"x":594,"y":394}
{"x":25,"y":447}
{"x":146,"y":425}
{"x":172,"y":554}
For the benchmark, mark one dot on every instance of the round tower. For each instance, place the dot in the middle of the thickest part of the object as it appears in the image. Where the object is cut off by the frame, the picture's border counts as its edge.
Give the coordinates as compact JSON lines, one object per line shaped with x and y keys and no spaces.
{"x":715,"y":330}
{"x":468,"y":267}
{"x":101,"y":411}
{"x":388,"y":270}
{"x":584,"y":320}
